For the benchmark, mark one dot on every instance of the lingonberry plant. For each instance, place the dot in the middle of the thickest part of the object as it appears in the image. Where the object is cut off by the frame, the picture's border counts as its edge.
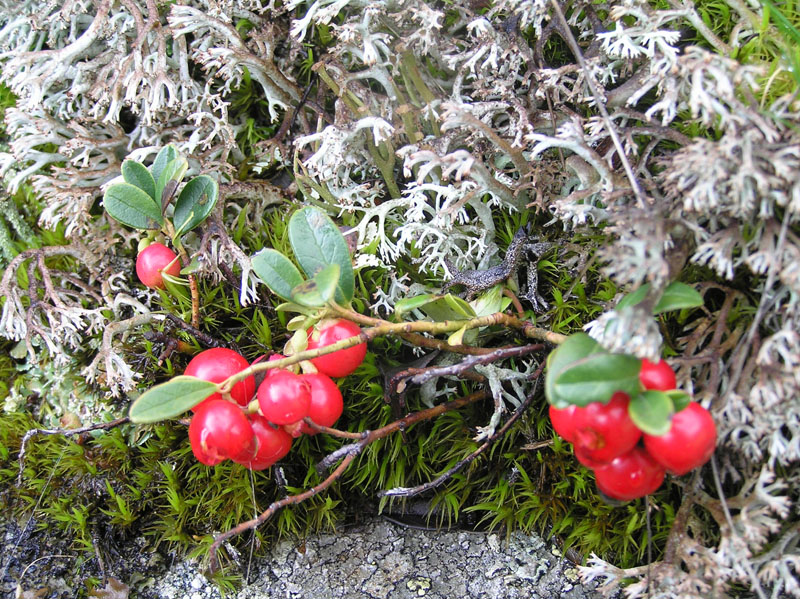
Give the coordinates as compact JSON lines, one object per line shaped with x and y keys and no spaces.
{"x":625,"y":418}
{"x":142,"y":200}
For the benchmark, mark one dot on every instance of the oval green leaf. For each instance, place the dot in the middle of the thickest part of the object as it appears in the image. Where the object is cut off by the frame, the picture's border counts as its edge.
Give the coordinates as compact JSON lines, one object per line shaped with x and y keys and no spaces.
{"x":166,"y":155}
{"x":651,"y":412}
{"x":596,"y":378}
{"x":634,"y":297}
{"x":678,"y":296}
{"x":680,"y":399}
{"x":318,"y":291}
{"x":131,"y":206}
{"x":170,"y":399}
{"x":448,"y":307}
{"x":409,"y":304}
{"x":317,"y":242}
{"x":169,"y":179}
{"x":195,"y":203}
{"x":137,"y":174}
{"x":277,"y":272}
{"x":574,"y":348}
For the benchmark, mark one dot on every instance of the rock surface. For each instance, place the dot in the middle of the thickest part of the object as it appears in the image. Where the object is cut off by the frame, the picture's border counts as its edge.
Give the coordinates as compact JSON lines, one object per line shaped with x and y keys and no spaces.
{"x":384,"y":560}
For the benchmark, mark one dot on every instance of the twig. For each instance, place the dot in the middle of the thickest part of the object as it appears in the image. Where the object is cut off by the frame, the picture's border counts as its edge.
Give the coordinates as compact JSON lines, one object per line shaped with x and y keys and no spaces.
{"x":348,"y":453}
{"x":472,"y":361}
{"x":396,"y":328}
{"x":576,"y":50}
{"x":23,"y":447}
{"x":413,"y":491}
{"x":207,"y":340}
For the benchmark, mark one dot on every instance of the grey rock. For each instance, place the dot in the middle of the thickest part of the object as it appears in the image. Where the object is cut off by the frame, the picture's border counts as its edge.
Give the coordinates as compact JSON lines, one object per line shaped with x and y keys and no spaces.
{"x":382,"y":560}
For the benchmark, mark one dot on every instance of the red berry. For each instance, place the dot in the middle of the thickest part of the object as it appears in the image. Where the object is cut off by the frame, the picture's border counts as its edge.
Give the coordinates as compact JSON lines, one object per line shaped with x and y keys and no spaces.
{"x":216,"y":365}
{"x":326,"y":402}
{"x":583,"y":457}
{"x":219,"y":430}
{"x":284,"y":398}
{"x":631,"y":475}
{"x":273,"y":444}
{"x":657,"y":377}
{"x":274,"y":358}
{"x":154,"y":259}
{"x":689,"y":443}
{"x":604,"y":431}
{"x":344,"y":361}
{"x":564,"y":422}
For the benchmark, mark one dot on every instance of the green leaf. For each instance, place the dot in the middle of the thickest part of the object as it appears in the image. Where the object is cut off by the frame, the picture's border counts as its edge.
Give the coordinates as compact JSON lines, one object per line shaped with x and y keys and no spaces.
{"x":448,"y":307}
{"x":132,"y":207}
{"x":457,"y":338}
{"x":169,"y":179}
{"x":170,"y":399}
{"x":490,"y":302}
{"x":680,"y":399}
{"x":678,"y":296}
{"x":318,"y":291}
{"x":408,"y":304}
{"x":574,"y":348}
{"x":317,"y":242}
{"x":651,"y":412}
{"x":137,"y":174}
{"x":195,"y":203}
{"x":634,"y":297}
{"x":277,"y":272}
{"x":164,"y":157}
{"x":596,"y":378}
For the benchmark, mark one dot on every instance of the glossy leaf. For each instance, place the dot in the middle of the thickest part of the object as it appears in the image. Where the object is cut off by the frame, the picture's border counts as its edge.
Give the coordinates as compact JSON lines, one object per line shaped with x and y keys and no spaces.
{"x":277,"y":272}
{"x":651,"y":412}
{"x":318,"y":291}
{"x":678,"y":296}
{"x":317,"y":242}
{"x":169,"y":179}
{"x":574,"y":348}
{"x":170,"y":399}
{"x":131,"y":206}
{"x":580,"y":372}
{"x":166,"y":155}
{"x":680,"y":399}
{"x":596,"y":378}
{"x":195,"y":203}
{"x":137,"y":174}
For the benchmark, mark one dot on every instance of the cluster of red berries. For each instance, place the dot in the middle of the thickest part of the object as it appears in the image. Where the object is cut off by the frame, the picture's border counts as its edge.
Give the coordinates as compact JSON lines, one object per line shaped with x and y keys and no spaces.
{"x":222,"y":429}
{"x":626,"y":462}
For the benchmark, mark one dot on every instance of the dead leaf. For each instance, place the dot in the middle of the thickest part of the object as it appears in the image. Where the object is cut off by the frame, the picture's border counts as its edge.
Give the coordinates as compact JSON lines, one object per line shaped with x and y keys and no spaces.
{"x":114,"y":589}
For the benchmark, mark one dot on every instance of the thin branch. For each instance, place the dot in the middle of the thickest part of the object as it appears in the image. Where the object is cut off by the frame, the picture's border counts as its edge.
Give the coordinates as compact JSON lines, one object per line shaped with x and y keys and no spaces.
{"x":349,"y":452}
{"x":576,"y":50}
{"x":472,"y":361}
{"x":413,"y":491}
